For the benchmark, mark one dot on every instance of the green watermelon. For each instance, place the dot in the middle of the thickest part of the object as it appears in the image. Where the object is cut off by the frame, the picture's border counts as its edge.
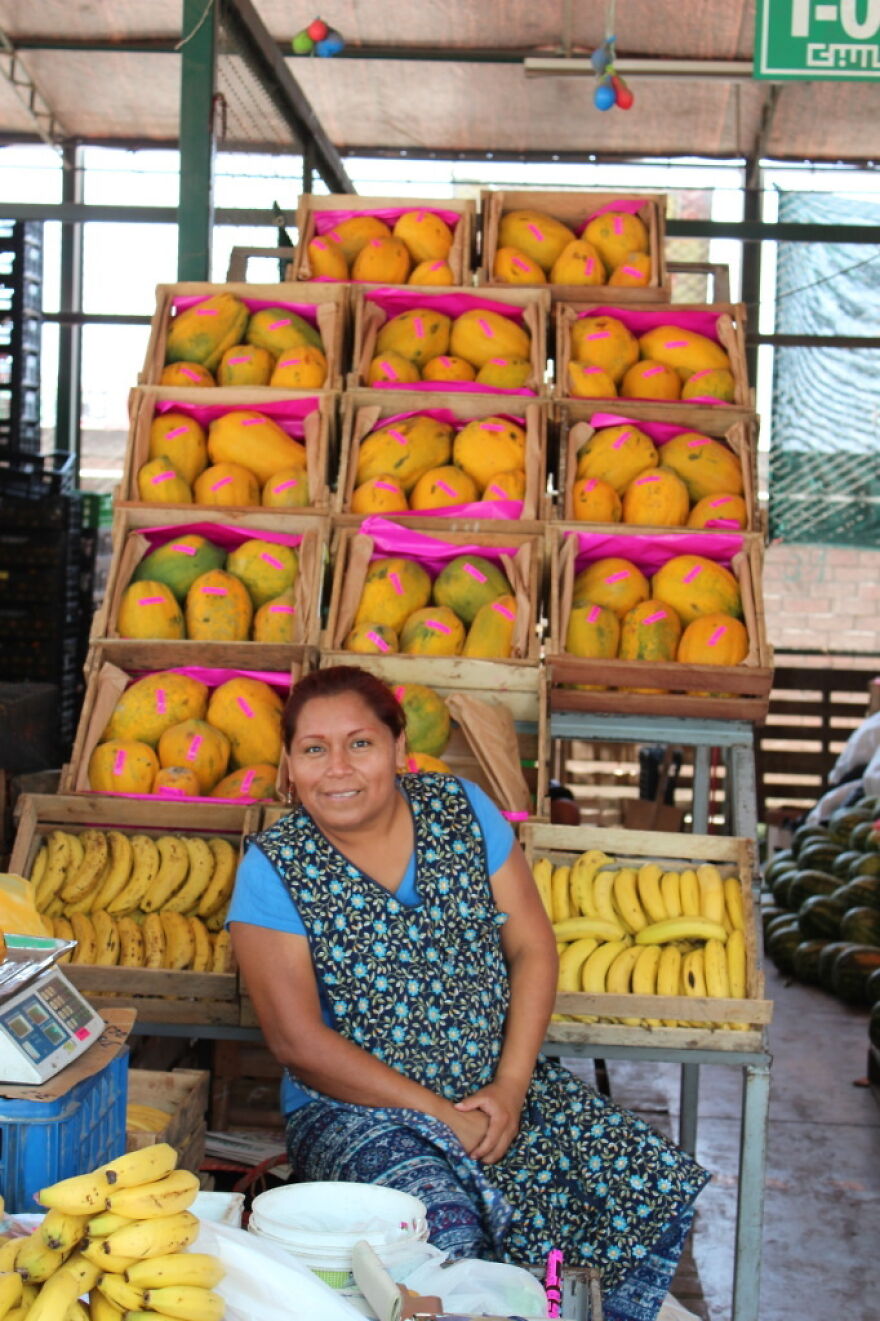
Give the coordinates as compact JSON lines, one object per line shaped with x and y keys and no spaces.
{"x":807,"y":883}
{"x":771,"y":912}
{"x":780,"y":862}
{"x":872,"y":987}
{"x":780,"y":888}
{"x":868,"y":865}
{"x":864,"y":837}
{"x":827,"y":960}
{"x":852,"y":968}
{"x":806,"y":961}
{"x":863,"y":892}
{"x":778,"y":924}
{"x":782,"y":944}
{"x":861,"y":926}
{"x":841,"y":864}
{"x":819,"y":917}
{"x":819,"y":853}
{"x":874,"y":1026}
{"x":805,"y":833}
{"x":842,"y":822}
{"x":179,"y":562}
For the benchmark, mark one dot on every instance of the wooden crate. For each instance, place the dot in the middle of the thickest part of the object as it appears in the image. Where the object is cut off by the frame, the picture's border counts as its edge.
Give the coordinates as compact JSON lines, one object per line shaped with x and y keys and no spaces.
{"x":577,"y":425}
{"x":352,"y":550}
{"x":575,"y":209}
{"x":733,"y":857}
{"x":158,"y":994}
{"x":685,"y":690}
{"x":111,"y":667}
{"x":183,"y":1093}
{"x":139,"y":530}
{"x":316,"y":214}
{"x":365,"y":410}
{"x":723,"y":322}
{"x":373,"y":307}
{"x":325,"y":305}
{"x":318,"y":437}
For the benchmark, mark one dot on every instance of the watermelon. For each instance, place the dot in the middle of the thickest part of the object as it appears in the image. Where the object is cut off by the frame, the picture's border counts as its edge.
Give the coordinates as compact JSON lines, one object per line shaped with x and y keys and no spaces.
{"x":806,"y":961}
{"x":805,"y":833}
{"x":863,"y":892}
{"x":841,"y":864}
{"x":780,"y":888}
{"x":819,"y":917}
{"x":805,"y":884}
{"x":778,"y":924}
{"x":852,"y":968}
{"x":819,"y":853}
{"x":780,"y":862}
{"x":872,"y":987}
{"x":782,"y":944}
{"x":874,"y":1026}
{"x":861,"y":926}
{"x":827,"y":960}
{"x":868,"y":865}
{"x":864,"y":837}
{"x":771,"y":912}
{"x":842,"y":822}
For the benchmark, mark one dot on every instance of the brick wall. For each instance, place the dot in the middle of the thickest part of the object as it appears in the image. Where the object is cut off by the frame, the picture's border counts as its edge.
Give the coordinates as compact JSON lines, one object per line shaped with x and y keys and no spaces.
{"x":823,"y":598}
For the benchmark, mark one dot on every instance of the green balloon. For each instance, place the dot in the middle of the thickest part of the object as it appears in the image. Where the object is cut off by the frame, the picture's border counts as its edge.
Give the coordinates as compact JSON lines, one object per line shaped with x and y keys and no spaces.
{"x":302,"y":44}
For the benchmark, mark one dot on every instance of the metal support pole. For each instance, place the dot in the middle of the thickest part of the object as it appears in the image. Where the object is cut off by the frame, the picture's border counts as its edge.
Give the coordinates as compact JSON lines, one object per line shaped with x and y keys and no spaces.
{"x":689,"y":1099}
{"x":700,"y":809}
{"x":308,"y":167}
{"x":750,"y":1204}
{"x":742,"y":794}
{"x":198,"y":66}
{"x":751,"y":260}
{"x":68,"y":407}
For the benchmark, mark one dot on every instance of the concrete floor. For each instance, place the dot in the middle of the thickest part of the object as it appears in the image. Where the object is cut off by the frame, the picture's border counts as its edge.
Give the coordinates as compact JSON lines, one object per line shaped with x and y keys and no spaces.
{"x":822,"y":1207}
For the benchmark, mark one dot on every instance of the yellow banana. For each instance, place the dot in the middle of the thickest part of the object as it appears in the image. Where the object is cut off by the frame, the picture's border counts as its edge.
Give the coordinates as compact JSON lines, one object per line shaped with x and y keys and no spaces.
{"x":734,"y":903}
{"x":117,"y":1288}
{"x":711,"y":892}
{"x":221,"y":884}
{"x":201,"y":869}
{"x":173,"y":868}
{"x":82,"y":881}
{"x":101,"y":1308}
{"x":559,"y":897}
{"x":186,"y":1302}
{"x":174,"y":1192}
{"x":106,"y":939}
{"x":618,"y":977}
{"x":86,"y":940}
{"x":62,"y":930}
{"x":203,"y":948}
{"x":644,"y":976}
{"x":690,"y":893}
{"x":144,"y":867}
{"x":596,"y":967}
{"x":215,"y":921}
{"x":583,"y":873}
{"x":143,"y":1166}
{"x":649,"y":892}
{"x":77,"y":1312}
{"x":715,"y":969}
{"x":104,"y":1261}
{"x":693,"y":974}
{"x":58,"y":858}
{"x":670,"y":891}
{"x":578,"y":927}
{"x":143,"y":1119}
{"x":62,"y":1231}
{"x":105,"y":1223}
{"x":85,"y":1194}
{"x":154,"y":941}
{"x":8,"y":1252}
{"x":120,"y":862}
{"x":223,"y":958}
{"x":10,"y":1291}
{"x":572,"y":960}
{"x":77,"y":853}
{"x":154,"y":1238}
{"x":681,"y":928}
{"x":542,"y":871}
{"x":179,"y":941}
{"x":603,"y":888}
{"x":191,"y":1268}
{"x":627,"y":901}
{"x":35,"y":1261}
{"x":131,"y":943}
{"x":735,"y":951}
{"x":669,"y":976}
{"x":38,"y":867}
{"x":56,"y":1296}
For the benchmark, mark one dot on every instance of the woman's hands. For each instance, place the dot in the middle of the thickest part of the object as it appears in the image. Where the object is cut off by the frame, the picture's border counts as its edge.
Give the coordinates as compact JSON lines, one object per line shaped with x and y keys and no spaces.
{"x":497,"y":1109}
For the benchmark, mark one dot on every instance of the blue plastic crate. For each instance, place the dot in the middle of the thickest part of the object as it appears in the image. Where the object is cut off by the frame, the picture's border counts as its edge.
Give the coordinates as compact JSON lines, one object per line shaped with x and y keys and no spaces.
{"x":43,"y":1141}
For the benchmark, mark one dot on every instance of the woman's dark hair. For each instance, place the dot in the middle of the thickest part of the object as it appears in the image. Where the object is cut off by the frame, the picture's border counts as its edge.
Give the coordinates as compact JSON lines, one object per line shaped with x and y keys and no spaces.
{"x":336,"y":681}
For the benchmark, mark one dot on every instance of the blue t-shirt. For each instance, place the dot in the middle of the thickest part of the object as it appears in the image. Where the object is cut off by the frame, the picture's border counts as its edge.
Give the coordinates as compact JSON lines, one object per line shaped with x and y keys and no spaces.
{"x":262,"y":899}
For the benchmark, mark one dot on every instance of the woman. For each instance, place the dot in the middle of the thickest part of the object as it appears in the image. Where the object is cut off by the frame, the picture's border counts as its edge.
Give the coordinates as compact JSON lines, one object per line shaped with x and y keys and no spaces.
{"x":403,"y":971}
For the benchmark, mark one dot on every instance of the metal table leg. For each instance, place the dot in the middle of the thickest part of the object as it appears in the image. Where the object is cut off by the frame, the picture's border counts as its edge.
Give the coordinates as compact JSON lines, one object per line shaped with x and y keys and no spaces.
{"x":700,"y":810}
{"x":750,"y":1204}
{"x":742,"y":795}
{"x":687,"y":1118}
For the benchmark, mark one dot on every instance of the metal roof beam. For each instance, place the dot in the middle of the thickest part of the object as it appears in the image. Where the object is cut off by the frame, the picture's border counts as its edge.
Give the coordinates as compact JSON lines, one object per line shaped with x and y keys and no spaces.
{"x":28,"y":93}
{"x":262,"y":56}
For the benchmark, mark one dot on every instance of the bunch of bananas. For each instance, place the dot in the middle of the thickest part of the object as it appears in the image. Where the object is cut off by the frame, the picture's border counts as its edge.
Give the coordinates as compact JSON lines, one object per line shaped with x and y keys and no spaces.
{"x":137,"y":901}
{"x":140,"y":1118}
{"x":118,"y":1234}
{"x":645,"y":931}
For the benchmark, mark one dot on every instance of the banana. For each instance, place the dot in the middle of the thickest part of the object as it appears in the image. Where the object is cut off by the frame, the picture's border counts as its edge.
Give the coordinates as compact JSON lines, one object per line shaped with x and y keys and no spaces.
{"x":201,"y":869}
{"x":62,"y":930}
{"x":735,"y":951}
{"x":94,"y":1252}
{"x":645,"y":974}
{"x":649,"y":892}
{"x":173,"y":868}
{"x":627,"y":901}
{"x":154,"y":1238}
{"x":670,"y":892}
{"x":203,"y":948}
{"x":144,"y":867}
{"x":105,"y":1223}
{"x":143,"y":1166}
{"x":144,"y":1119}
{"x":10,"y":1291}
{"x":734,"y":903}
{"x":669,"y":976}
{"x":681,"y":928}
{"x":86,"y":940}
{"x":596,"y":967}
{"x":617,"y":980}
{"x":693,"y":974}
{"x":117,"y":1288}
{"x":120,"y":862}
{"x":186,"y":1302}
{"x":220,"y":887}
{"x":77,"y":1312}
{"x":85,"y":1194}
{"x":711,"y":892}
{"x":542,"y":870}
{"x":690,"y":893}
{"x":58,"y":858}
{"x":198,"y":1269}
{"x":38,"y":867}
{"x":82,"y":881}
{"x":715,"y":970}
{"x":35,"y":1261}
{"x":101,"y":1308}
{"x":174,"y":1192}
{"x":215,"y":921}
{"x":131,"y":943}
{"x":603,"y":888}
{"x":179,"y":940}
{"x":559,"y":898}
{"x":107,"y":939}
{"x":583,"y":873}
{"x":577,"y":927}
{"x":8,"y":1252}
{"x":223,"y":959}
{"x":572,"y":960}
{"x":56,"y":1296}
{"x":154,"y":941}
{"x":62,"y":1231}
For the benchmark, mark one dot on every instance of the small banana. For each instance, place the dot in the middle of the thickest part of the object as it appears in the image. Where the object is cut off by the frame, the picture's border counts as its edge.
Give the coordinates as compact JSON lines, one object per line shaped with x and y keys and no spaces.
{"x":201,"y":869}
{"x":86,"y":940}
{"x":38,"y":867}
{"x":572,"y":960}
{"x":224,"y":957}
{"x":106,"y":1222}
{"x":106,"y":938}
{"x":178,"y":1268}
{"x":583,"y":873}
{"x":154,"y":941}
{"x":222,"y":882}
{"x":62,"y":1231}
{"x":596,"y":967}
{"x":619,"y":975}
{"x":711,"y":892}
{"x":101,"y":1308}
{"x":644,"y":975}
{"x":173,"y":868}
{"x":117,"y":1288}
{"x":649,"y":892}
{"x":186,"y":1303}
{"x":217,"y":920}
{"x":734,"y":903}
{"x":164,"y":1197}
{"x":179,"y":940}
{"x":62,"y":930}
{"x":58,"y":858}
{"x":104,"y":1261}
{"x":144,"y":867}
{"x":681,"y":928}
{"x":131,"y":943}
{"x":542,"y":870}
{"x":203,"y":947}
{"x":559,"y":896}
{"x":82,"y":881}
{"x":577,"y":927}
{"x":715,"y":970}
{"x":35,"y":1261}
{"x":690,"y":893}
{"x":603,"y":887}
{"x":118,"y":873}
{"x":10,"y":1291}
{"x":77,"y":1312}
{"x":626,"y":900}
{"x":154,"y":1238}
{"x":735,"y":951}
{"x":141,"y":1118}
{"x":8,"y":1253}
{"x":669,"y":976}
{"x":670,"y":891}
{"x":693,"y":974}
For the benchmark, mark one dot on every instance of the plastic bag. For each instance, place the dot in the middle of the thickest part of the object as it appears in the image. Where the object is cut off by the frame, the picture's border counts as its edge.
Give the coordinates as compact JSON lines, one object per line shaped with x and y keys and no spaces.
{"x":858,"y":750}
{"x":470,"y":1284}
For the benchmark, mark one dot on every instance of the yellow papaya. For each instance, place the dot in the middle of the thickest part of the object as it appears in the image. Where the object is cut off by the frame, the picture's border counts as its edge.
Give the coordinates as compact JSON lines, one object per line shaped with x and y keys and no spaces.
{"x":433,"y":631}
{"x":538,"y":235}
{"x":149,"y":609}
{"x":382,"y":261}
{"x":392,"y":367}
{"x":369,"y":639}
{"x":199,"y":747}
{"x":695,"y":586}
{"x":287,"y":489}
{"x":513,"y":266}
{"x":714,"y":639}
{"x":279,"y":329}
{"x":159,"y":482}
{"x":187,"y":376}
{"x":706,"y":466}
{"x":275,"y":621}
{"x":467,"y":582}
{"x":650,"y":631}
{"x":685,"y":350}
{"x":153,"y":703}
{"x":428,"y":725}
{"x":351,"y":235}
{"x":615,"y":235}
{"x":479,"y":335}
{"x":595,"y":501}
{"x":250,"y":721}
{"x":227,"y":484}
{"x":592,"y":631}
{"x":404,"y":450}
{"x":586,"y":382}
{"x":442,"y":487}
{"x":254,"y":441}
{"x":218,"y":608}
{"x":650,"y":380}
{"x":122,"y":767}
{"x":176,"y":782}
{"x":446,"y":368}
{"x":244,"y":365}
{"x":505,"y":373}
{"x":202,"y":333}
{"x":179,"y":562}
{"x":509,"y":485}
{"x":633,"y":272}
{"x":719,"y":511}
{"x":657,"y":498}
{"x":713,"y":383}
{"x":426,"y":235}
{"x":304,"y":368}
{"x":379,"y":495}
{"x":182,"y":441}
{"x":393,"y":588}
{"x":490,"y":636}
{"x":578,"y":263}
{"x":611,"y":582}
{"x":267,"y":568}
{"x":488,"y":446}
{"x":432,"y":273}
{"x":616,"y":455}
{"x":250,"y":783}
{"x":604,"y":341}
{"x":327,"y":260}
{"x":418,"y":335}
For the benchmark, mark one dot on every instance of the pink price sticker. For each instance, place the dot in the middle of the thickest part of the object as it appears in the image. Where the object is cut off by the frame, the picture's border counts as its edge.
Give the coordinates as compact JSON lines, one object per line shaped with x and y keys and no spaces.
{"x":693,"y":573}
{"x":398,"y":436}
{"x":253,"y":421}
{"x":698,"y":376}
{"x":161,"y":705}
{"x":621,"y":440}
{"x":486,"y":328}
{"x":722,"y":522}
{"x":412,"y":765}
{"x":390,"y":373}
{"x":378,"y":641}
{"x":180,"y":549}
{"x":176,"y":431}
{"x":653,"y":371}
{"x":206,"y":311}
{"x":722,"y":500}
{"x":436,"y":265}
{"x":247,"y":780}
{"x":503,"y":610}
{"x":475,"y":573}
{"x":320,"y":244}
{"x":619,"y":577}
{"x":536,"y":233}
{"x":446,"y":489}
{"x":652,"y":477}
{"x":499,"y":362}
{"x":285,"y":486}
{"x":698,"y":442}
{"x":676,"y":344}
{"x":399,"y":692}
{"x":119,"y":761}
{"x":385,"y":486}
{"x":224,"y":481}
{"x":214,"y":591}
{"x":495,"y":489}
{"x":588,"y":266}
{"x":715,"y":638}
{"x":591,"y":371}
{"x":617,"y":225}
{"x":631,"y":270}
{"x":271,"y":560}
{"x":152,"y":600}
{"x":245,"y":707}
{"x":599,"y":334}
{"x":282,"y":610}
{"x":492,"y":426}
{"x":164,"y":477}
{"x":279,"y":325}
{"x":589,"y":485}
{"x":375,"y":243}
{"x":594,"y":614}
{"x":437,"y":626}
{"x":657,"y":617}
{"x":395,"y":582}
{"x":519,"y":265}
{"x":194,"y":744}
{"x":189,"y":374}
{"x":233,"y":362}
{"x":418,"y":327}
{"x":291,"y":362}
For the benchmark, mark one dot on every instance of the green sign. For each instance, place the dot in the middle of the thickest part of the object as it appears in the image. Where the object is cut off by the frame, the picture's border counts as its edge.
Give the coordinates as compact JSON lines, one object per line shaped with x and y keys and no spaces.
{"x":810,"y":39}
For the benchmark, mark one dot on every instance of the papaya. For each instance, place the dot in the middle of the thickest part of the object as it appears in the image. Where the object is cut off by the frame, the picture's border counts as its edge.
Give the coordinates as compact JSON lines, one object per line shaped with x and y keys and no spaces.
{"x":267,"y":568}
{"x":382,"y":261}
{"x":419,"y":763}
{"x":479,"y":335}
{"x":202,"y":333}
{"x":509,"y":485}
{"x":578,"y":263}
{"x":538,"y":235}
{"x":441,"y":488}
{"x":392,"y":368}
{"x":187,"y":376}
{"x":438,"y":273}
{"x":696,"y":586}
{"x":279,"y":329}
{"x":178,"y":563}
{"x":466,"y":583}
{"x":445,"y":368}
{"x":432,"y":631}
{"x":218,"y":608}
{"x":719,"y":511}
{"x":650,"y":380}
{"x":304,"y":368}
{"x":227,"y":484}
{"x":153,"y":703}
{"x":714,"y":639}
{"x":371,"y":639}
{"x":428,"y":726}
{"x":633,"y":272}
{"x":149,"y":610}
{"x":327,"y":260}
{"x":393,"y":588}
{"x":617,"y":455}
{"x":379,"y":495}
{"x":505,"y":373}
{"x":713,"y":383}
{"x":513,"y":266}
{"x":417,"y":335}
{"x":657,"y":498}
{"x":351,"y":235}
{"x":245,"y":365}
{"x":490,"y":636}
{"x":122,"y":766}
{"x":176,"y":782}
{"x":592,"y":632}
{"x":198,"y":746}
{"x":604,"y":341}
{"x":287,"y":489}
{"x":182,"y":441}
{"x":595,"y":501}
{"x":488,"y":446}
{"x":275,"y":621}
{"x":159,"y":482}
{"x":248,"y":784}
{"x":650,"y":631}
{"x":616,"y":234}
{"x":254,"y":441}
{"x":426,"y":235}
{"x":404,"y":450}
{"x":611,"y":582}
{"x":586,"y":382}
{"x":250,"y":720}
{"x":706,"y":466}
{"x":685,"y":350}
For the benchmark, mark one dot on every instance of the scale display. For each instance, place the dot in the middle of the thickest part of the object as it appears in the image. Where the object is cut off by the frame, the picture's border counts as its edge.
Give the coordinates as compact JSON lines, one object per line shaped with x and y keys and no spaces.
{"x":43,"y":1028}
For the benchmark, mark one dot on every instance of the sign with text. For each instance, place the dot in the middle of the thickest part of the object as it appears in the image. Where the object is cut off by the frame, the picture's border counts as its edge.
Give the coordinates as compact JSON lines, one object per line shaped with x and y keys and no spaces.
{"x":811,"y":39}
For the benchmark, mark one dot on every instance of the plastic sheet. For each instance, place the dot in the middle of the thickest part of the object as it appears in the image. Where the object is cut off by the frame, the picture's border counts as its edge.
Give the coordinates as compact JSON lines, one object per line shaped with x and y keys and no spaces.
{"x":308,"y":311}
{"x":218,"y":533}
{"x":327,"y":220}
{"x":394,"y":301}
{"x":289,"y":414}
{"x":650,"y":553}
{"x":431,"y":552}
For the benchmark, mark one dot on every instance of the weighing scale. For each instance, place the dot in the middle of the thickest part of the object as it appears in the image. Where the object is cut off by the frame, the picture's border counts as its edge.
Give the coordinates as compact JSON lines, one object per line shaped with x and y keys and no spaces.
{"x":45,"y":1024}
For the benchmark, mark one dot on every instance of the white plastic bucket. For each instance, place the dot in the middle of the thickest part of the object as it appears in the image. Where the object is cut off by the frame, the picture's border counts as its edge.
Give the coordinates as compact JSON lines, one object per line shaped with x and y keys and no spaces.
{"x":319,"y":1223}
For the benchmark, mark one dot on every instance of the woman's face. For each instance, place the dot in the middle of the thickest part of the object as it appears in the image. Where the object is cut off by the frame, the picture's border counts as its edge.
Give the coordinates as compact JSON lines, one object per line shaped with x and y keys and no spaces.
{"x":342,"y":761}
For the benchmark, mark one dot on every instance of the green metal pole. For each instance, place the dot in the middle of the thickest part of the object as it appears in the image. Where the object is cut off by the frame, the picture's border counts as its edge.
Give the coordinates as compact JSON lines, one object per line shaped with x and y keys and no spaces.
{"x":67,"y":409}
{"x":198,"y":65}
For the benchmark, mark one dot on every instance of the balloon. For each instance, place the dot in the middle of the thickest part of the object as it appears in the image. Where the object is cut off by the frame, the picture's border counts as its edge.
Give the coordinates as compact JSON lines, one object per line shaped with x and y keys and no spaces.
{"x":622,"y":95}
{"x":302,"y":44}
{"x":332,"y":44}
{"x":317,"y":29}
{"x":603,"y":97}
{"x":599,"y":58}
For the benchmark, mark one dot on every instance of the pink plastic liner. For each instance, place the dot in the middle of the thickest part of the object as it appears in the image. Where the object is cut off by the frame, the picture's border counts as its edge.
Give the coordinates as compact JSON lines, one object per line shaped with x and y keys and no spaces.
{"x":659,"y":432}
{"x":629,"y":205}
{"x":394,"y":301}
{"x":704,"y":323}
{"x":218,"y":533}
{"x":308,"y":311}
{"x":478,"y":509}
{"x":288,"y":414}
{"x":455,"y":387}
{"x":183,"y":798}
{"x":327,"y":220}
{"x":431,"y":552}
{"x":650,"y":553}
{"x":444,"y":415}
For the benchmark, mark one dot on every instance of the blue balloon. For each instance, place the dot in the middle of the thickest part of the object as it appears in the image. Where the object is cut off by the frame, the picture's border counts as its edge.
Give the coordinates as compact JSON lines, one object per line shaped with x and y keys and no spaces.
{"x":332,"y":44}
{"x":603,"y":97}
{"x":599,"y":58}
